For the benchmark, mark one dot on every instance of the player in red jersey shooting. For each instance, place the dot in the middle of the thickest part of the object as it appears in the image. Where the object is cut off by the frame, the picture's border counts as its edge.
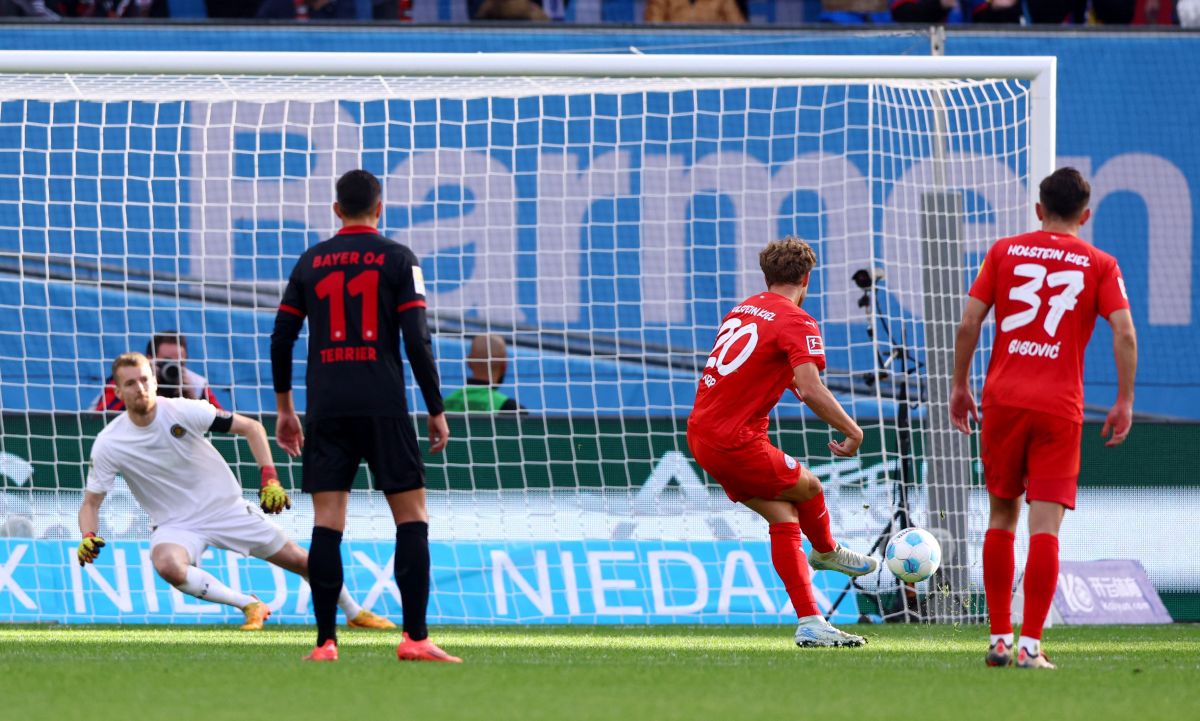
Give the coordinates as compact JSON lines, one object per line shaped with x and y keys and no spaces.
{"x":767,"y":345}
{"x":1048,"y":287}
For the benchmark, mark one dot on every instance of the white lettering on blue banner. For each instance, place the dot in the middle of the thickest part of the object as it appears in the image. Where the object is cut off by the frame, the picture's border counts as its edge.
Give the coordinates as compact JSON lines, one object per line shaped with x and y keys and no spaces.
{"x":585,"y":582}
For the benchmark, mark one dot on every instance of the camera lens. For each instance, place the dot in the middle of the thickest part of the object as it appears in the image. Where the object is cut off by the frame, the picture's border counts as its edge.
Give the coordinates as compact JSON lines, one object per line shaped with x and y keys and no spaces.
{"x":169,"y":373}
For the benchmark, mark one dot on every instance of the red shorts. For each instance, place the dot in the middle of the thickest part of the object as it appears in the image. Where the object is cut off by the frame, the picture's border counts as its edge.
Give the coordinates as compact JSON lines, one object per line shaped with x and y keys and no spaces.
{"x":755,"y":469}
{"x":1029,"y":452}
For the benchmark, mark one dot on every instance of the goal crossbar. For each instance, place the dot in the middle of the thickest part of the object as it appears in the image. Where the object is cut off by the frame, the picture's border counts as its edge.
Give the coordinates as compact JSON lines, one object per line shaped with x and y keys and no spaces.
{"x":535,"y":64}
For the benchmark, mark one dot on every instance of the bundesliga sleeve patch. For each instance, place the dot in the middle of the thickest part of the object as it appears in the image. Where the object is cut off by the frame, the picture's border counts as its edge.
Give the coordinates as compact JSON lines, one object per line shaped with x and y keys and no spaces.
{"x":418,"y":280}
{"x":815,"y":346}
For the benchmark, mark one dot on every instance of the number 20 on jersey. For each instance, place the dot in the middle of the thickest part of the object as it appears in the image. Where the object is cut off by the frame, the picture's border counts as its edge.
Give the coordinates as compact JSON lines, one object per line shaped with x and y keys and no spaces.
{"x":731,"y":332}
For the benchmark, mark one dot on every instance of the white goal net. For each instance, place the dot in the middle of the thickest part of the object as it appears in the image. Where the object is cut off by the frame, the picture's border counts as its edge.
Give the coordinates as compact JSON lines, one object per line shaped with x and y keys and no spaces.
{"x":601,"y":224}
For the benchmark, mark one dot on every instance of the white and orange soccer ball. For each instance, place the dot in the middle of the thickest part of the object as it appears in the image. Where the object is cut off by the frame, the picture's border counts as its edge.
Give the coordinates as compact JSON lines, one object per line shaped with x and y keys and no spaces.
{"x":913,"y":555}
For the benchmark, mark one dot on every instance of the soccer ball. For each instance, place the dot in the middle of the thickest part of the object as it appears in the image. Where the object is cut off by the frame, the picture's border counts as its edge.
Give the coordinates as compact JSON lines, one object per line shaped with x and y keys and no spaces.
{"x":913,"y":555}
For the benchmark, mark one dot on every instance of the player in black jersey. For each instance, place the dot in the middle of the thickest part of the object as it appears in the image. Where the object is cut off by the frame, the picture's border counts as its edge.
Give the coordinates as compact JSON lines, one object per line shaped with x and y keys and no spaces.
{"x":361,"y":293}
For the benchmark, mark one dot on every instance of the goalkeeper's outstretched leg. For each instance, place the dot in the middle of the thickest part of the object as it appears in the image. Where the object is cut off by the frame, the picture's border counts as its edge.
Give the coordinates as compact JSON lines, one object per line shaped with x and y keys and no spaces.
{"x":173,"y":563}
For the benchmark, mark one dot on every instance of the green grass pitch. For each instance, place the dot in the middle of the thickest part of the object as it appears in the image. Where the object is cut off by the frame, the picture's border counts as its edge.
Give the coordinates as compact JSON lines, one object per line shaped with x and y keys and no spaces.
{"x":627,"y":673}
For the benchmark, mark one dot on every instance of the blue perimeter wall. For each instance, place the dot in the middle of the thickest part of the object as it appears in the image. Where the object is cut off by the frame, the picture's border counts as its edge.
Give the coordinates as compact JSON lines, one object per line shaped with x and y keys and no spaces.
{"x":1127,"y":116}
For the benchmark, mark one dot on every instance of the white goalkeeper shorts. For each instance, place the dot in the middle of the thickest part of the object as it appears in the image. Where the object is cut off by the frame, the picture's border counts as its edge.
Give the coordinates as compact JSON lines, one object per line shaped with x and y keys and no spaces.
{"x":243,"y":529}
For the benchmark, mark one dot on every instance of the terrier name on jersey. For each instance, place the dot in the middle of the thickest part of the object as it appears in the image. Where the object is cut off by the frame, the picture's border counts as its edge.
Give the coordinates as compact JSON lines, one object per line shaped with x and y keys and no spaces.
{"x":352,"y":353}
{"x":1033,"y":251}
{"x":348,"y":257}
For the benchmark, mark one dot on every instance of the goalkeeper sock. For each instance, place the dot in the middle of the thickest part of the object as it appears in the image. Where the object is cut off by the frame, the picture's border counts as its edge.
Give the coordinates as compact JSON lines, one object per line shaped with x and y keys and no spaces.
{"x":348,"y":605}
{"x":204,"y":586}
{"x":814,"y":519}
{"x":325,"y":577}
{"x":1041,"y":578}
{"x":998,"y":569}
{"x":790,"y":564}
{"x":412,"y":576}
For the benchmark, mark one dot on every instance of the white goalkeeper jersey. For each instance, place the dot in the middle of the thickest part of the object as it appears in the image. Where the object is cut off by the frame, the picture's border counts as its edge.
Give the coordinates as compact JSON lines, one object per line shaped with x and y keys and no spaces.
{"x":174,"y":472}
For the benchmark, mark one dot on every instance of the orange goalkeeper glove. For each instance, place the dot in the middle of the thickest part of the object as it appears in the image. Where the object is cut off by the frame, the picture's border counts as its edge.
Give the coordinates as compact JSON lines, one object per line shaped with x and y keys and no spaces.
{"x":271,"y":497}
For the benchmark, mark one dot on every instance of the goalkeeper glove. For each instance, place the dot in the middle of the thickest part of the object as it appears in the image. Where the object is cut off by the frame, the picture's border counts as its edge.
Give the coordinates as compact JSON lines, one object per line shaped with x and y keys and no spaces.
{"x":271,"y":497}
{"x":89,"y":548}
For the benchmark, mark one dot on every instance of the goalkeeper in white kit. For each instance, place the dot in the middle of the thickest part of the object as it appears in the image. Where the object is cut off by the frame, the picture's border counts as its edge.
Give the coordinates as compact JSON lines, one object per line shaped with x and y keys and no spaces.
{"x":158,"y":446}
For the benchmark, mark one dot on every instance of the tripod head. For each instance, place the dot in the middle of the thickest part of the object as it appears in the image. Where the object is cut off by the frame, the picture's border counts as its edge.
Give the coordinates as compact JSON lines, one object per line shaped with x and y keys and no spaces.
{"x":897,"y":361}
{"x":867,"y":279}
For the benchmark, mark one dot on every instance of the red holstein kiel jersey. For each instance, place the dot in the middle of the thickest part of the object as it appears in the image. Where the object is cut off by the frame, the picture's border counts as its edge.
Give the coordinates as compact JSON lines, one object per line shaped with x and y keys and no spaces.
{"x":1047,"y":290}
{"x":758,"y":344}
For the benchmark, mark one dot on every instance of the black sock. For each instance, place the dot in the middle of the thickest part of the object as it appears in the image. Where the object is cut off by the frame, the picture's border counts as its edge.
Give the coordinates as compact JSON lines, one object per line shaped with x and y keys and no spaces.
{"x":412,"y":576}
{"x":325,"y":578}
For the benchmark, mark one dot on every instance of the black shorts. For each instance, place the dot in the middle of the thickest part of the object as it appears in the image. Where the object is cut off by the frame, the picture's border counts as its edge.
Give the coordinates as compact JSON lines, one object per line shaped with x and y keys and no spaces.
{"x":334,"y":448}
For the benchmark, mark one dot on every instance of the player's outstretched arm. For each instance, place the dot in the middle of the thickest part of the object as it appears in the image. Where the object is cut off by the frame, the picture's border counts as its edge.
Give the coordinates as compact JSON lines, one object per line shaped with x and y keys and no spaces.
{"x":271,"y":495}
{"x":962,"y":403}
{"x":812,"y":391}
{"x":256,"y":436}
{"x":1120,"y":416}
{"x":89,"y":525}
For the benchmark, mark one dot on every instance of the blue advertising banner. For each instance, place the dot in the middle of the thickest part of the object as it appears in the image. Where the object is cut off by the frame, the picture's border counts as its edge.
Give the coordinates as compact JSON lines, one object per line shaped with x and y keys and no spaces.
{"x":588,"y":582}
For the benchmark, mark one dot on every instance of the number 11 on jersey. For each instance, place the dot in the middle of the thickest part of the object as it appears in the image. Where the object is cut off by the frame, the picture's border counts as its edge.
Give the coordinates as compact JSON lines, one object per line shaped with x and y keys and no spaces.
{"x":333,"y":288}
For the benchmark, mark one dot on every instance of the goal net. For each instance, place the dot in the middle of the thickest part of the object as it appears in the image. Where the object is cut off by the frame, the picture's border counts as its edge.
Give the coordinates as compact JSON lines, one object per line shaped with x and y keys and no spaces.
{"x":600,"y":216}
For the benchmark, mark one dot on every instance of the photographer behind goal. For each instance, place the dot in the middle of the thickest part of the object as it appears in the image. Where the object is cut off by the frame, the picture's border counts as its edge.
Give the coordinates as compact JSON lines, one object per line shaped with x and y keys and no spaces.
{"x":168,"y":354}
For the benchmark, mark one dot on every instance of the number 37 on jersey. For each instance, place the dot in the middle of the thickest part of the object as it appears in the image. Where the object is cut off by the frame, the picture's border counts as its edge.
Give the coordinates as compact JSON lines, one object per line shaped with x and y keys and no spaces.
{"x":1047,"y":290}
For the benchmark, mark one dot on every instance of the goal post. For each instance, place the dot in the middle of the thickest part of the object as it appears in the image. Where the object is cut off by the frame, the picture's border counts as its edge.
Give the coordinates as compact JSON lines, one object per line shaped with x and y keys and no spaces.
{"x":600,"y":213}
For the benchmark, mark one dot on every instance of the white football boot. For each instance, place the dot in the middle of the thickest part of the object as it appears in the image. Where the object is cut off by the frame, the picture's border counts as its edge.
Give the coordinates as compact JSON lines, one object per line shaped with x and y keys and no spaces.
{"x":843,"y":560}
{"x":816,"y":631}
{"x":1032,"y":660}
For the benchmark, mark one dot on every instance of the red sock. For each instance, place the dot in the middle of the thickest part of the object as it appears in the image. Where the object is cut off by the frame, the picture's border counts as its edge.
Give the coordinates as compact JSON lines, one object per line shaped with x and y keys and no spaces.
{"x":814,"y":519}
{"x":998,"y":565}
{"x":792,"y":568}
{"x":1041,"y":578}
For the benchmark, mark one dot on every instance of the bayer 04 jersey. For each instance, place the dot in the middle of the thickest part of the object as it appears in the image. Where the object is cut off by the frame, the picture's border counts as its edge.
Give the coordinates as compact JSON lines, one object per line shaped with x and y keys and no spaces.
{"x":758,"y":345}
{"x":1047,"y":289}
{"x":174,"y":472}
{"x":360,"y":293}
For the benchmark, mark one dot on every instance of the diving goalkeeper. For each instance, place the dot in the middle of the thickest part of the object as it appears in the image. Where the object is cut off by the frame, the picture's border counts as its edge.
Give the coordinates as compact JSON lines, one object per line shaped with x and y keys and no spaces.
{"x":159,"y":447}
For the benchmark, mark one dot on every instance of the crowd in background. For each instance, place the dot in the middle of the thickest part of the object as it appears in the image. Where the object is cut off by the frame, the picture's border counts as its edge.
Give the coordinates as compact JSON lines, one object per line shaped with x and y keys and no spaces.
{"x":731,"y":12}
